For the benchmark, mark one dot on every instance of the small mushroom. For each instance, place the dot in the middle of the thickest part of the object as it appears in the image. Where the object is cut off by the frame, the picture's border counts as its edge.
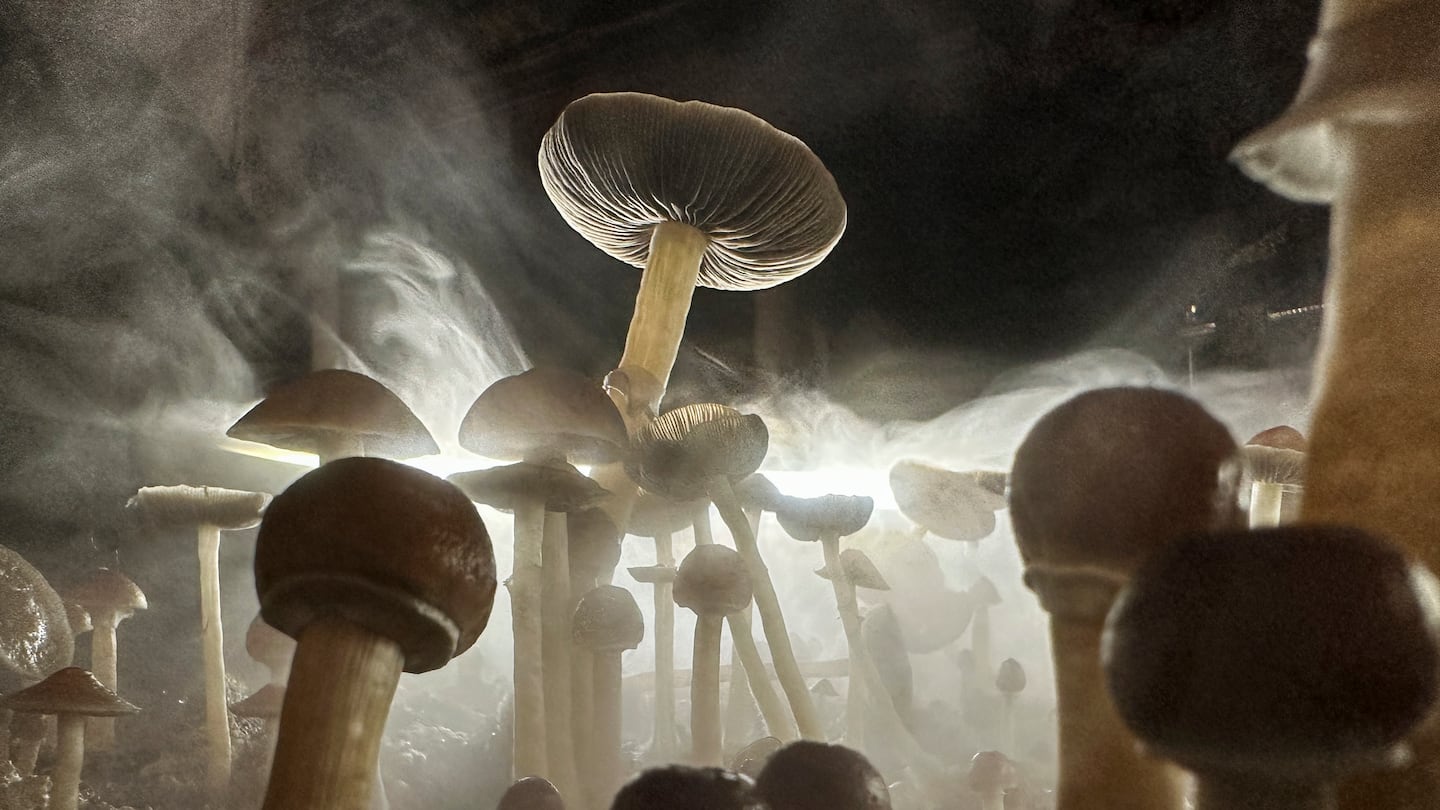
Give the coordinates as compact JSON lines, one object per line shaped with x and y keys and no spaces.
{"x":809,"y":775}
{"x":712,"y":582}
{"x":1275,"y":463}
{"x":752,"y":758}
{"x":991,"y":775}
{"x":857,"y":569}
{"x":677,"y":786}
{"x":983,"y":595}
{"x":374,"y":568}
{"x":272,"y":648}
{"x":531,"y":793}
{"x":1010,"y":682}
{"x":111,"y":598}
{"x":607,"y":622}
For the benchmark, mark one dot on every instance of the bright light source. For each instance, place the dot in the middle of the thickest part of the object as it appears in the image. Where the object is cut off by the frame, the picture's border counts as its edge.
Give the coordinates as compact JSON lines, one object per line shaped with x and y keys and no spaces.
{"x":268,"y":453}
{"x":835,"y":481}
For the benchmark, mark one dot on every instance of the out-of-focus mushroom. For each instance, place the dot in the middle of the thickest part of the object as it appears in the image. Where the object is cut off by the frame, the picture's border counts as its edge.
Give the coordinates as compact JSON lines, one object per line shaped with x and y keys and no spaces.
{"x":1010,"y":682}
{"x":35,"y":640}
{"x":1275,"y":464}
{"x":544,"y":415}
{"x":72,"y":694}
{"x":857,"y":569}
{"x":111,"y":598}
{"x":712,"y":582}
{"x":210,"y":510}
{"x":264,"y":704}
{"x":752,"y":758}
{"x":531,"y":793}
{"x":1291,"y":686}
{"x":953,"y":505}
{"x":607,"y":623}
{"x":677,"y":786}
{"x":374,"y":568}
{"x":272,"y":648}
{"x":79,"y":619}
{"x":824,"y":688}
{"x":594,"y":542}
{"x":983,"y":595}
{"x":1100,"y":483}
{"x":809,"y":775}
{"x":334,"y":413}
{"x":991,"y":775}
{"x":885,"y":646}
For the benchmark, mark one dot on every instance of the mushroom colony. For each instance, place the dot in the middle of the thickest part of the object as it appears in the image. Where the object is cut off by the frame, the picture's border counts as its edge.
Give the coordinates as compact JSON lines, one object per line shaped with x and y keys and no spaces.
{"x":1081,"y":590}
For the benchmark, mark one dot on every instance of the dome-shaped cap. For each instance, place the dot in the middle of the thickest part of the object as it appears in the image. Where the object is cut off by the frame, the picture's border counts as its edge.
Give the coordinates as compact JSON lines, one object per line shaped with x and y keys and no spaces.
{"x":807,"y":775}
{"x":71,"y":690}
{"x":680,"y":452}
{"x":991,"y":771}
{"x":190,"y":506}
{"x":679,"y":786}
{"x":386,"y":546}
{"x":266,"y":703}
{"x":757,"y":492}
{"x":78,"y":618}
{"x":35,"y":637}
{"x":1290,"y":653}
{"x":531,"y":793}
{"x":618,"y":164}
{"x":106,"y":590}
{"x":563,"y":488}
{"x":607,"y":619}
{"x":810,"y":519}
{"x":545,"y":411}
{"x":1010,"y":677}
{"x":953,"y":505}
{"x":1282,"y":437}
{"x":308,"y":414}
{"x":857,"y":569}
{"x":712,"y":580}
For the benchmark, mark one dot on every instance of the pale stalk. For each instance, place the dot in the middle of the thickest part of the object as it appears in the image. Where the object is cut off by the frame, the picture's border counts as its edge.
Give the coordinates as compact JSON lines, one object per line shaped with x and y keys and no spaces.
{"x":101,"y":730}
{"x":705,"y":692}
{"x":528,"y":754}
{"x":605,"y":775}
{"x":704,"y":536}
{"x":992,"y":800}
{"x":664,"y":654}
{"x":69,"y":760}
{"x":556,"y":643}
{"x":341,"y":445}
{"x":1008,"y":738}
{"x":740,"y":703}
{"x":845,"y":603}
{"x":742,"y":635}
{"x":1265,"y":500}
{"x":1221,"y":793}
{"x":980,"y":644}
{"x":217,"y":715}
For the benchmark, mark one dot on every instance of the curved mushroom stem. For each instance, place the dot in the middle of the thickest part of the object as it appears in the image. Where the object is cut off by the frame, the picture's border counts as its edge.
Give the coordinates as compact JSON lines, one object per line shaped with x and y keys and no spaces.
{"x":342,"y":682}
{"x":69,"y":759}
{"x":740,"y":702}
{"x":1228,"y":793}
{"x":1265,"y":499}
{"x":742,"y":635}
{"x":217,"y":716}
{"x":850,"y":619}
{"x":703,"y":534}
{"x":771,"y":617}
{"x":101,"y":730}
{"x":605,"y":742}
{"x":705,"y":692}
{"x":555,"y":644}
{"x":529,"y":754}
{"x":664,"y":744}
{"x":661,"y":308}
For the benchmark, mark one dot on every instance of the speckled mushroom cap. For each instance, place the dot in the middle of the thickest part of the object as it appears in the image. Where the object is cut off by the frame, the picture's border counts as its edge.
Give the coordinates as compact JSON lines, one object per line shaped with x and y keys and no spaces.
{"x":1010,"y":677}
{"x":35,"y":637}
{"x":108,"y":590}
{"x":1292,"y":653}
{"x":306,"y":414}
{"x":680,"y":452}
{"x":712,"y":581}
{"x":531,"y":793}
{"x":189,"y":506}
{"x":71,"y":690}
{"x":808,"y":775}
{"x":266,"y":703}
{"x":607,"y":620}
{"x":545,"y":411}
{"x":564,"y":488}
{"x":948,"y":504}
{"x":752,"y":758}
{"x":680,"y":786}
{"x":810,"y":519}
{"x":388,"y":547}
{"x":654,"y":515}
{"x":990,"y":771}
{"x":1276,"y":456}
{"x":618,"y":164}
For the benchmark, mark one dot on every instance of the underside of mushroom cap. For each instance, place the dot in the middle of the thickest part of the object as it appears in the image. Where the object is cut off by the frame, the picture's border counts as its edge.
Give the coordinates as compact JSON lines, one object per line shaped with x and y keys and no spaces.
{"x":948,"y":504}
{"x":307,"y":414}
{"x":190,"y":506}
{"x":545,"y":411}
{"x":811,"y":519}
{"x":607,"y":619}
{"x":563,"y":488}
{"x":618,"y":164}
{"x":1273,"y":465}
{"x":35,"y":636}
{"x":71,"y":690}
{"x":680,"y":452}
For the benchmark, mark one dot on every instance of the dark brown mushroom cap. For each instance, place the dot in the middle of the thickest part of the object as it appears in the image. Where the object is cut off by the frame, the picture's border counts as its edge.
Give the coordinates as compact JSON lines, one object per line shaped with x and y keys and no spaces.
{"x":265,"y":703}
{"x":307,"y":414}
{"x":756,"y":492}
{"x":608,"y":620}
{"x":71,"y":690}
{"x":1282,"y":437}
{"x":858,"y":570}
{"x":808,"y":775}
{"x":948,"y":504}
{"x":35,"y":637}
{"x":531,"y":793}
{"x":1113,"y":474}
{"x":1292,"y":653}
{"x":545,"y":412}
{"x":681,"y":451}
{"x":679,"y":786}
{"x":712,"y":581}
{"x":654,"y":515}
{"x":1010,"y":677}
{"x":191,"y":506}
{"x":564,"y":488}
{"x":752,"y":758}
{"x":652,"y":574}
{"x":991,"y":771}
{"x":388,"y":547}
{"x":593,"y":540}
{"x":811,"y":519}
{"x":617,"y":164}
{"x":108,"y":590}
{"x":267,"y":645}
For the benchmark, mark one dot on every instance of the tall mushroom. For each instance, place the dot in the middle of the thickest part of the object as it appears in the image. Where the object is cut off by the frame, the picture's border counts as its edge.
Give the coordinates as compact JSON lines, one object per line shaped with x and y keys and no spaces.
{"x":72,"y":694}
{"x":983,"y":595}
{"x":374,"y":568}
{"x":607,"y":622}
{"x":1010,"y":682}
{"x":210,"y":510}
{"x":1098,"y":484}
{"x":808,"y":775}
{"x":712,"y":582}
{"x":111,"y":598}
{"x":594,"y":550}
{"x":1275,"y":464}
{"x":1289,"y":686}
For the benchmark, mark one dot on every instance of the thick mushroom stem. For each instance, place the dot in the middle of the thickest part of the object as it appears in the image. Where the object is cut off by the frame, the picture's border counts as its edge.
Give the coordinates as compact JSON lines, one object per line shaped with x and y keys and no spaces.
{"x":605,"y":756}
{"x":705,"y":692}
{"x":341,"y":684}
{"x":742,"y":636}
{"x":69,"y":759}
{"x":102,"y":663}
{"x":217,"y":716}
{"x":664,"y":653}
{"x":1244,"y":794}
{"x":526,"y":614}
{"x":555,"y":645}
{"x":771,"y":618}
{"x":1265,"y":501}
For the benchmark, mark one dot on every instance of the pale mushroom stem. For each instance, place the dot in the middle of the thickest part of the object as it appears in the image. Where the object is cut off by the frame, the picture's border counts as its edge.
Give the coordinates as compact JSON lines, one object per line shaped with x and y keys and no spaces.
{"x":529,"y":753}
{"x":1214,"y":793}
{"x":341,"y":445}
{"x":605,"y":742}
{"x":1101,"y":765}
{"x":69,"y":760}
{"x":661,"y":308}
{"x":1265,"y":500}
{"x":740,"y":703}
{"x":980,"y":644}
{"x":556,"y":643}
{"x":664,"y":652}
{"x":705,"y":692}
{"x":849,"y":610}
{"x":771,"y":617}
{"x":757,"y":677}
{"x":102,"y":660}
{"x":217,"y":718}
{"x":342,"y":681}
{"x":992,"y":799}
{"x":703,"y":534}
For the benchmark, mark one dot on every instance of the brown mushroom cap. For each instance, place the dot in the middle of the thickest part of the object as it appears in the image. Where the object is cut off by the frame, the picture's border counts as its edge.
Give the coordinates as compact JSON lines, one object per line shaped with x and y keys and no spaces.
{"x":265,"y":703}
{"x":712,"y":581}
{"x":679,"y":786}
{"x":35,"y":637}
{"x":608,"y":620}
{"x":681,"y":451}
{"x":1283,"y":437}
{"x":189,"y":506}
{"x":71,"y":690}
{"x":545,"y":411}
{"x":531,"y":793}
{"x":564,"y":488}
{"x":307,"y":414}
{"x":1292,"y":653}
{"x":808,"y":775}
{"x":654,"y":515}
{"x":388,"y":547}
{"x":108,"y":590}
{"x":948,"y":504}
{"x":1010,"y":677}
{"x":991,"y":771}
{"x":618,"y":164}
{"x":810,"y":519}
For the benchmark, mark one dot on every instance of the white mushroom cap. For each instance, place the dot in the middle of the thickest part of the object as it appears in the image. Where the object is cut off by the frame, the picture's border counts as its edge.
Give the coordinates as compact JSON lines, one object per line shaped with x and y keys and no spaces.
{"x":188,"y":506}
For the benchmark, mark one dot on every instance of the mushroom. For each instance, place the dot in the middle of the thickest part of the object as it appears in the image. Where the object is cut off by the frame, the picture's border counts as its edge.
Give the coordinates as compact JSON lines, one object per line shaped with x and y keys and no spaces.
{"x":885,"y":646}
{"x":272,"y":648}
{"x":1010,"y":682}
{"x":991,"y":775}
{"x":373,"y":567}
{"x":111,"y":598}
{"x":752,"y":758}
{"x":79,"y":620}
{"x":982,"y":596}
{"x":857,"y":570}
{"x":35,"y":640}
{"x":699,"y":450}
{"x":1275,"y":462}
{"x":594,"y":550}
{"x":1238,"y":655}
{"x":809,"y":775}
{"x":712,"y":582}
{"x":1098,"y":484}
{"x":953,"y":505}
{"x":72,"y":694}
{"x":678,"y":786}
{"x":607,"y":622}
{"x":210,"y":510}
{"x":531,"y":793}
{"x":931,"y":616}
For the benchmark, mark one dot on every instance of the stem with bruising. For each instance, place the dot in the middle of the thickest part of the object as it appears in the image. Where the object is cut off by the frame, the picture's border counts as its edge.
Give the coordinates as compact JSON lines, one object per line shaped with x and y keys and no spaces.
{"x":217,"y":716}
{"x":556,"y":643}
{"x":664,"y":653}
{"x":69,"y":760}
{"x":528,"y":753}
{"x":705,"y":692}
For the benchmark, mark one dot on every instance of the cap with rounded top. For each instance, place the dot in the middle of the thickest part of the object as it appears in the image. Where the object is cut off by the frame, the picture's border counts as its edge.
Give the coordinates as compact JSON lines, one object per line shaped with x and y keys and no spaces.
{"x":545,"y":411}
{"x":991,"y":771}
{"x":268,"y":645}
{"x":752,"y":758}
{"x":680,"y":452}
{"x":1276,"y":456}
{"x":35,"y":637}
{"x":531,"y":793}
{"x":808,"y":775}
{"x":564,"y":488}
{"x":265,"y":703}
{"x":810,"y":519}
{"x":677,"y":786}
{"x":187,"y":506}
{"x":1010,"y":677}
{"x":385,"y":546}
{"x":79,"y":619}
{"x":71,"y":690}
{"x":618,"y":164}
{"x":654,"y":515}
{"x":712,"y":581}
{"x":948,"y":504}
{"x":607,"y":619}
{"x":311,"y":413}
{"x":107,"y":590}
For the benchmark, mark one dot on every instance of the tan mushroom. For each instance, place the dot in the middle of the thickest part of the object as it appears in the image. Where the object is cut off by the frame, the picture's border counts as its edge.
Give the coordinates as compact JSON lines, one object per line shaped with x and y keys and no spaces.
{"x":607,"y":622}
{"x":712,"y":582}
{"x":111,"y":598}
{"x":991,"y":775}
{"x":1275,"y":464}
{"x":1010,"y":682}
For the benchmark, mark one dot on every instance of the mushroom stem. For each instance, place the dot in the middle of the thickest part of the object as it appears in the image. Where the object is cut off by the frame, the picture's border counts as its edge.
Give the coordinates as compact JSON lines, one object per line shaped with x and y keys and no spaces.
{"x":740,"y":703}
{"x":850,"y":619}
{"x":771,"y":617}
{"x":980,"y":645}
{"x":341,"y":444}
{"x":742,"y":636}
{"x":705,"y":692}
{"x":529,"y":754}
{"x":217,"y":717}
{"x":1265,"y":499}
{"x":1101,"y":764}
{"x":661,"y":307}
{"x":102,"y":661}
{"x":992,"y":800}
{"x":1231,"y":793}
{"x":664,"y":653}
{"x":703,"y":535}
{"x":69,"y":759}
{"x":341,"y":684}
{"x":555,"y":644}
{"x":605,"y":774}
{"x":1008,"y":739}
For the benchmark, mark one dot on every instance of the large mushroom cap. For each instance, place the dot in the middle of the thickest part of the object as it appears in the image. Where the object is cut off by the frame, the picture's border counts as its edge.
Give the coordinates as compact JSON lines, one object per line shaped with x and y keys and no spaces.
{"x":618,"y":164}
{"x":810,"y":519}
{"x":545,"y":411}
{"x":607,"y":619}
{"x":712,"y":581}
{"x":308,"y":414}
{"x":1291,"y":653}
{"x":388,"y":547}
{"x":564,"y":488}
{"x":71,"y":690}
{"x":680,"y":452}
{"x":678,"y":786}
{"x":953,"y":505}
{"x":35,"y":636}
{"x":188,"y":506}
{"x":807,"y":775}
{"x":109,"y":590}
{"x":531,"y":793}
{"x":756,"y":492}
